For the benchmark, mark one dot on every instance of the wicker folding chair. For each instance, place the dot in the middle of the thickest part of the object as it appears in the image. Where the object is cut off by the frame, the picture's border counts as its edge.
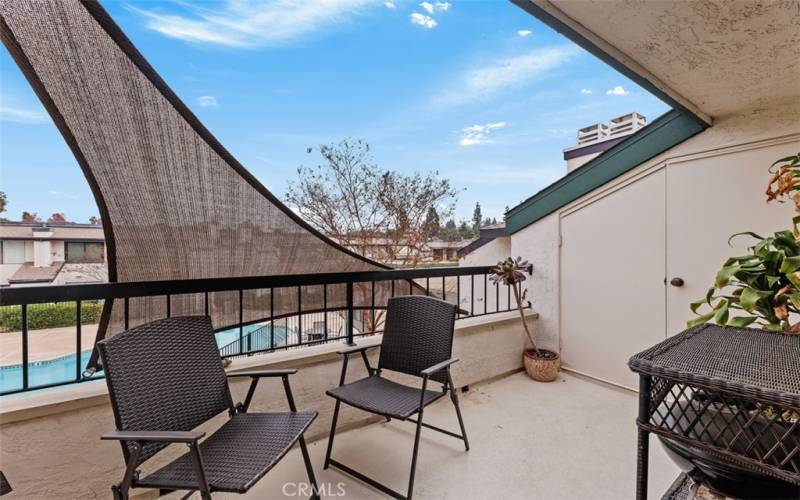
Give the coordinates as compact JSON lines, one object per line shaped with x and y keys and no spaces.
{"x":166,"y":378}
{"x":417,"y":340}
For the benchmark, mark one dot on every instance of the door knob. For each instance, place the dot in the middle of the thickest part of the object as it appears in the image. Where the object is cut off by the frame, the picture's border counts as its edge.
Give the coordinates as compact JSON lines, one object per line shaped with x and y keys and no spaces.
{"x":676,"y":282}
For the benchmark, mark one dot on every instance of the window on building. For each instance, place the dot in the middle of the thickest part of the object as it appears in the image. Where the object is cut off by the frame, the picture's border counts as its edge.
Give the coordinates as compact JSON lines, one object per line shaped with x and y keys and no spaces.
{"x":13,"y":252}
{"x":84,"y":252}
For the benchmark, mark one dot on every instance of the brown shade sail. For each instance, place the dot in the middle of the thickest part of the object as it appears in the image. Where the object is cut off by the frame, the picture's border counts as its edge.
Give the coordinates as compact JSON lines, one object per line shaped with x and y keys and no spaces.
{"x":175,"y":203}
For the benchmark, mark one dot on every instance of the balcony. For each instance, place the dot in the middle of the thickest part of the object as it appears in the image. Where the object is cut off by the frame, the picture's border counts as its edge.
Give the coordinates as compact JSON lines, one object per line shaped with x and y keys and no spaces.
{"x":190,"y":231}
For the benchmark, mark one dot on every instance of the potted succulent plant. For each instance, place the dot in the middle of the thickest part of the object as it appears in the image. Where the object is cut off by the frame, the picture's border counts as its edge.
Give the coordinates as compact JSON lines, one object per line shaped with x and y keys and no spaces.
{"x":540,"y":364}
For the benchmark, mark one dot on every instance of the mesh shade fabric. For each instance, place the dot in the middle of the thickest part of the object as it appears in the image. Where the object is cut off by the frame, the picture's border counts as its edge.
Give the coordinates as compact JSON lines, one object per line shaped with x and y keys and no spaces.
{"x":174,"y":203}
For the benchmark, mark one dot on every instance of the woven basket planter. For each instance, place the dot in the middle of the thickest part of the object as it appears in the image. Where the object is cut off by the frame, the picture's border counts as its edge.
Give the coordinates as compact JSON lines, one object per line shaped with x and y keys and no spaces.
{"x":542,"y":368}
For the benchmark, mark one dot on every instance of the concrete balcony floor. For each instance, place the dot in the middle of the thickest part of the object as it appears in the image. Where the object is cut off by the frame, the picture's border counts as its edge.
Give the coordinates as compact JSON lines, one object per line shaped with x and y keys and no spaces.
{"x":570,"y":439}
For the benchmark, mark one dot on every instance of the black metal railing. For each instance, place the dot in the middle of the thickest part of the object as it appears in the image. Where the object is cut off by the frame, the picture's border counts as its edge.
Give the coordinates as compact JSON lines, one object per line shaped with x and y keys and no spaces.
{"x":23,"y":314}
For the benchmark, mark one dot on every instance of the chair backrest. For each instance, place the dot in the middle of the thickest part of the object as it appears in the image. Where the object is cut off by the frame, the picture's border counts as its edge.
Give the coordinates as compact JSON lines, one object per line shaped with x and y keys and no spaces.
{"x":165,"y":376}
{"x":418,"y":333}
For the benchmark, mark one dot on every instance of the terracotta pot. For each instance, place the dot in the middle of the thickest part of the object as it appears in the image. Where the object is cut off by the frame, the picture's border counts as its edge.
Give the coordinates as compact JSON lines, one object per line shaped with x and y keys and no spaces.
{"x":543,"y":367}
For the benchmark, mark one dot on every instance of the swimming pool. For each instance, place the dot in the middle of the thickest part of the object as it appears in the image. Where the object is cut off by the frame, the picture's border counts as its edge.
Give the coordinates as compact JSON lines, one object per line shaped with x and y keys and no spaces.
{"x":62,"y":369}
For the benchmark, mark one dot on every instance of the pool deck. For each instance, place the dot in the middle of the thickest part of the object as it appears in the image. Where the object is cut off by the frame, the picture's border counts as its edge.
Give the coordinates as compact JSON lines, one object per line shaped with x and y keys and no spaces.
{"x":44,"y":344}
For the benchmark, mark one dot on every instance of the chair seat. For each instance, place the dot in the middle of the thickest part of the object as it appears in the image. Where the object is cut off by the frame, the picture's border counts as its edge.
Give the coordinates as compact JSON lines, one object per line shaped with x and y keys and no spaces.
{"x":379,"y":395}
{"x":238,"y":454}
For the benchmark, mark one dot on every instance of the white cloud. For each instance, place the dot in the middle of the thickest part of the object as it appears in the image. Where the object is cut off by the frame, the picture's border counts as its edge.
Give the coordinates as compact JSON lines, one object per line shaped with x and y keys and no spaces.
{"x":618,"y":90}
{"x":524,"y":33}
{"x":252,"y":23}
{"x":438,"y":6}
{"x":478,"y":134}
{"x":483,"y":81}
{"x":207,"y":101}
{"x":423,"y":20}
{"x":389,"y":5}
{"x":20,"y":115}
{"x":588,"y":91}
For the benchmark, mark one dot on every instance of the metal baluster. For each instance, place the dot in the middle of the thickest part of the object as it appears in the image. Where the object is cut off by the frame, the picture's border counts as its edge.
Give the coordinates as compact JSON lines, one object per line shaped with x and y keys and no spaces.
{"x":205,"y":303}
{"x":127,"y":315}
{"x":241,"y":327}
{"x":24,"y":346}
{"x":508,"y":301}
{"x":472,"y":295}
{"x":372,"y":311}
{"x":169,"y":305}
{"x":427,"y":285}
{"x":325,"y":311}
{"x":485,"y":292}
{"x":497,"y":297}
{"x":350,"y":313}
{"x":458,"y":294}
{"x":299,"y":315}
{"x":444,"y":289}
{"x":78,"y":340}
{"x":272,"y":318}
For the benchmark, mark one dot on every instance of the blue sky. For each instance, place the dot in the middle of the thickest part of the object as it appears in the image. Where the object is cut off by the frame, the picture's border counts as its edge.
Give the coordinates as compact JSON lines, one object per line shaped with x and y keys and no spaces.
{"x":479,"y":90}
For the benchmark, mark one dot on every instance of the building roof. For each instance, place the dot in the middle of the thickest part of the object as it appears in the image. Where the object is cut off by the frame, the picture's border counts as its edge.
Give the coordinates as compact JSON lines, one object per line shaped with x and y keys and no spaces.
{"x":438,"y":244}
{"x":28,"y":273}
{"x":486,"y":235}
{"x":26,"y":230}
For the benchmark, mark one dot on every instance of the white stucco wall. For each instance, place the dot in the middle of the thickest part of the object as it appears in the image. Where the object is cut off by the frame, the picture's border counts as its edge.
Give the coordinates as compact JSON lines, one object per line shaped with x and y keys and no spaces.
{"x":539,"y":242}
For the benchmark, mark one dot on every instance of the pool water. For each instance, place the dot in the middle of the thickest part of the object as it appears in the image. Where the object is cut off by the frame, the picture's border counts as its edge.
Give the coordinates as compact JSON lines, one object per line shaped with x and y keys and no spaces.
{"x":62,"y":369}
{"x":42,"y":372}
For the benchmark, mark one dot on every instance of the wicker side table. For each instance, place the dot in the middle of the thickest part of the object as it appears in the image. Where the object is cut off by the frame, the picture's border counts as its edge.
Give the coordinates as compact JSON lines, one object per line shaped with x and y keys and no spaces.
{"x":726,"y":404}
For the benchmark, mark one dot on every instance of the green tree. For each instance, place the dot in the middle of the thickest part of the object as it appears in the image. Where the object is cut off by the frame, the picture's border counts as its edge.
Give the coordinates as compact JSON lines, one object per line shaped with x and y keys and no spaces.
{"x":30,"y":217}
{"x":465,"y":231}
{"x":432,"y":225}
{"x":3,"y":201}
{"x":477,"y":217}
{"x":353,"y":200}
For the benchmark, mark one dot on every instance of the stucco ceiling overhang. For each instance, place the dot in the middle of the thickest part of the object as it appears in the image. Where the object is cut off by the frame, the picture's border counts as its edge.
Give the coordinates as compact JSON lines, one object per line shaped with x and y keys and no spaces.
{"x":712,"y":57}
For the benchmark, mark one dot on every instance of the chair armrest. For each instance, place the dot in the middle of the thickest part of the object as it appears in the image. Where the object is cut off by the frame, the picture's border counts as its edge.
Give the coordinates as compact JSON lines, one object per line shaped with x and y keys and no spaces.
{"x":155,"y":436}
{"x":354,"y":349}
{"x":264,"y":373}
{"x":427,"y":372}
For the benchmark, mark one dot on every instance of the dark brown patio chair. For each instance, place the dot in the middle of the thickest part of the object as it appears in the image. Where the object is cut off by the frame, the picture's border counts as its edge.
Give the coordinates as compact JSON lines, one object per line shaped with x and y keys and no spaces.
{"x":165,"y":378}
{"x":417,"y":340}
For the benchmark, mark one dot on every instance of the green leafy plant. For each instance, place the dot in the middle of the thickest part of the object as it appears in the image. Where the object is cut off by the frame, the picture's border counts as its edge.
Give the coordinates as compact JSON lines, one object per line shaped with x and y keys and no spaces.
{"x":54,"y":315}
{"x":764,"y":284}
{"x":512,"y":272}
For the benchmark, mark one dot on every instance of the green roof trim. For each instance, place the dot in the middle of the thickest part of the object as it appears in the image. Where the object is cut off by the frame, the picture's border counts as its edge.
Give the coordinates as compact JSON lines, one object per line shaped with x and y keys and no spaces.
{"x":666,"y":131}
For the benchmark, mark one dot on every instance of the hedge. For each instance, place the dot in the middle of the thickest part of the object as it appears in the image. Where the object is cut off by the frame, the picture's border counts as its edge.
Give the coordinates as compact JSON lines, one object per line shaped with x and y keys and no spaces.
{"x":53,"y":315}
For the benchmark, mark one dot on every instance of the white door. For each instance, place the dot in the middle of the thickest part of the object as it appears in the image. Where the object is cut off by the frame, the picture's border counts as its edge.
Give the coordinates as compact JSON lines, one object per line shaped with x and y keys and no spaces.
{"x":612,"y":280}
{"x":708,"y":200}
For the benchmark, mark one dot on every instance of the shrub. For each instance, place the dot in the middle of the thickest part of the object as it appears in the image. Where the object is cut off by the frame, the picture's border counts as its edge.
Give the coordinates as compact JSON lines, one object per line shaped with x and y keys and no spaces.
{"x":52,"y":315}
